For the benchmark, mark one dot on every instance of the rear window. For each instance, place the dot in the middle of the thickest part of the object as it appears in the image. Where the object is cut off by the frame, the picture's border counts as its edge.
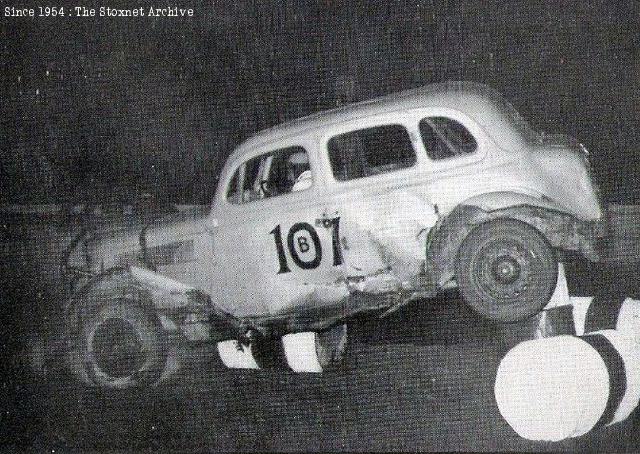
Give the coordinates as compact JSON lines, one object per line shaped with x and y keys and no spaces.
{"x":445,"y":138}
{"x":370,"y":151}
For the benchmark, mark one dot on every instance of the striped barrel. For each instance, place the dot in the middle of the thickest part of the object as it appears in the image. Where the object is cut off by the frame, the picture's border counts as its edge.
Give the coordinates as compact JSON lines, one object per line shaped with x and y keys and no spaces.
{"x":296,"y":352}
{"x":609,"y":308}
{"x":606,"y":311}
{"x":560,"y":387}
{"x":299,"y":352}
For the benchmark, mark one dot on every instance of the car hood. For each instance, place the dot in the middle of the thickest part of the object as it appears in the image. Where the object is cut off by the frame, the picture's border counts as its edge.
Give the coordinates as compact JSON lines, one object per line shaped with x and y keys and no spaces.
{"x":142,"y":240}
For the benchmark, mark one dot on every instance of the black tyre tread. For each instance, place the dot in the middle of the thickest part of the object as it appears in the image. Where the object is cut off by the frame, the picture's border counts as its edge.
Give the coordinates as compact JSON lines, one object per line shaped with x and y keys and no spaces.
{"x":152,"y":334}
{"x":535,"y":298}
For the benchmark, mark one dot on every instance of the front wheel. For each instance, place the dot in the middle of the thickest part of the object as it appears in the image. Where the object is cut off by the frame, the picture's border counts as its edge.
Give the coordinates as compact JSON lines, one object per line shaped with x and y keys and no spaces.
{"x":121,"y":346}
{"x":506,"y":270}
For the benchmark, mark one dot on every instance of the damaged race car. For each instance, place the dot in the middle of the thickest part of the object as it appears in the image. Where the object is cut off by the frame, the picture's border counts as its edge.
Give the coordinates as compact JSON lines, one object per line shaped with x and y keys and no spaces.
{"x":357,"y":210}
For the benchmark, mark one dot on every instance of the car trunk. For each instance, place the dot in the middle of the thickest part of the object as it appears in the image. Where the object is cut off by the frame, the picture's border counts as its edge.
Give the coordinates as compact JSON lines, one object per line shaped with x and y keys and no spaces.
{"x":564,"y":167}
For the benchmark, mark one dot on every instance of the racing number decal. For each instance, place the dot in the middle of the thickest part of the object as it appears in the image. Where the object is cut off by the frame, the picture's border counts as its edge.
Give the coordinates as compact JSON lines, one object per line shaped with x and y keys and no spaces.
{"x":281,"y":257}
{"x":303,"y":245}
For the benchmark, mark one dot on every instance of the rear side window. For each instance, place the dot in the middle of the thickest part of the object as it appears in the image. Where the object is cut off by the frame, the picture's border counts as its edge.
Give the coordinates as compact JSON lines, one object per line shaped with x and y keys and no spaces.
{"x":445,"y":138}
{"x":370,"y":151}
{"x":271,"y":174}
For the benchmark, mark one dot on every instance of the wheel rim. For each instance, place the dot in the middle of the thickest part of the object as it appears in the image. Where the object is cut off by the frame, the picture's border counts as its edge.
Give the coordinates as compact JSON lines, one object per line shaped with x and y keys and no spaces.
{"x":504,"y":270}
{"x":117,"y":348}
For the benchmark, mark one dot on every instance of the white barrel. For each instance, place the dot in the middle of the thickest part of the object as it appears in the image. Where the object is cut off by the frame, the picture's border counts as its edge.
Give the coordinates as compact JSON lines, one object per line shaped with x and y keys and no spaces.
{"x":301,"y":352}
{"x":564,"y":386}
{"x":296,"y":352}
{"x":237,"y":356}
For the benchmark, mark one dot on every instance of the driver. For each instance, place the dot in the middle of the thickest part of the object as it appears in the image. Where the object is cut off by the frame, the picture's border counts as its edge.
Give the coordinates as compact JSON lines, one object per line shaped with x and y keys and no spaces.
{"x":298,"y":171}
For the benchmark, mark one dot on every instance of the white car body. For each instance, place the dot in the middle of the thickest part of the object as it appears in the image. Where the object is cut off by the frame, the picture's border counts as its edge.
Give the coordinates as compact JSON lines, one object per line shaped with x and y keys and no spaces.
{"x":379,"y":245}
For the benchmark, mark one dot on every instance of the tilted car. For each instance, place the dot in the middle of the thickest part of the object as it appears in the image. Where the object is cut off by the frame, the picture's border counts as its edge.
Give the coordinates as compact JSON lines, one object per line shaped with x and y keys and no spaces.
{"x":359,"y":209}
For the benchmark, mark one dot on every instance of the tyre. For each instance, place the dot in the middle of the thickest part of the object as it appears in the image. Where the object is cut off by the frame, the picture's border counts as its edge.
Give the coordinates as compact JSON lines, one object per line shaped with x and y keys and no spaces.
{"x":331,"y":346}
{"x":506,"y":270}
{"x":121,"y":345}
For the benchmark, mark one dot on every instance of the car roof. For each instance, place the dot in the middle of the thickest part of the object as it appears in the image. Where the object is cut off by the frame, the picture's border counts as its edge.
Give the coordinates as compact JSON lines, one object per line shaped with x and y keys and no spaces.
{"x":483,"y":104}
{"x":479,"y":101}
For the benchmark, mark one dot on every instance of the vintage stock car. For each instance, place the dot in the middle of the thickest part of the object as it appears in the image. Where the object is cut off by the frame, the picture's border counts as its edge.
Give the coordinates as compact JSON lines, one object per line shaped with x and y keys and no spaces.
{"x":356,"y":210}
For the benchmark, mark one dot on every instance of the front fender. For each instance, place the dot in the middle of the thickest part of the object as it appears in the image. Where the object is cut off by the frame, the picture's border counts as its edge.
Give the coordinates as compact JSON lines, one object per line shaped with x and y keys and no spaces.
{"x":172,"y":297}
{"x":160,"y":294}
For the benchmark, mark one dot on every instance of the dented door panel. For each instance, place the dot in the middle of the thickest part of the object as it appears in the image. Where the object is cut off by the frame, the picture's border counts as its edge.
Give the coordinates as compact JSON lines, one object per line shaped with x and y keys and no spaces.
{"x":275,"y":256}
{"x":385,"y":233}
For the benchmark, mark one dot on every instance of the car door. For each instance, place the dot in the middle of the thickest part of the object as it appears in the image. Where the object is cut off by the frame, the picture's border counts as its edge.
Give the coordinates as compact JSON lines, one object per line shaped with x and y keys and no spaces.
{"x":376,"y":185}
{"x":275,"y":247}
{"x":456,"y":148}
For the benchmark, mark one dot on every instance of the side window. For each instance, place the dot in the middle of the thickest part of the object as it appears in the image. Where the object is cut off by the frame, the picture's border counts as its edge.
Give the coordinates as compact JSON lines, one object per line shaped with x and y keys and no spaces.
{"x":445,"y":138}
{"x":271,"y":174}
{"x":370,"y":151}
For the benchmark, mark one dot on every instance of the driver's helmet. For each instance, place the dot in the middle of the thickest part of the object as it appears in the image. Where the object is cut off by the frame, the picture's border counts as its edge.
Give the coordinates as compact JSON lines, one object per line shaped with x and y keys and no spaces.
{"x":299,"y":171}
{"x":299,"y":158}
{"x":297,"y":163}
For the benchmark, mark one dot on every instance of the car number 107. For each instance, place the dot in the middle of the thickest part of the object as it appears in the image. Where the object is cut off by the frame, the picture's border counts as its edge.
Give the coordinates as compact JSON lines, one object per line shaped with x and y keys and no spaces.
{"x":303,"y":245}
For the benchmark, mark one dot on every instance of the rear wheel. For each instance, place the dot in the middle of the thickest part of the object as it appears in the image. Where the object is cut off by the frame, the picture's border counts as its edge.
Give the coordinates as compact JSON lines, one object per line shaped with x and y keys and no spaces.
{"x":506,"y":270}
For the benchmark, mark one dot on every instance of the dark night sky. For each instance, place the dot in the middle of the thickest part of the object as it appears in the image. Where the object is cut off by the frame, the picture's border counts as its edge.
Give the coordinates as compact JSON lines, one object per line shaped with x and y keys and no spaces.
{"x":107,"y":108}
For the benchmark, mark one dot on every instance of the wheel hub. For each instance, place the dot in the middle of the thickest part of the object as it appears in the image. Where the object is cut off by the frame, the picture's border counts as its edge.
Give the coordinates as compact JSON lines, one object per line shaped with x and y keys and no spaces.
{"x":503,"y":270}
{"x":506,"y":270}
{"x":117,"y":348}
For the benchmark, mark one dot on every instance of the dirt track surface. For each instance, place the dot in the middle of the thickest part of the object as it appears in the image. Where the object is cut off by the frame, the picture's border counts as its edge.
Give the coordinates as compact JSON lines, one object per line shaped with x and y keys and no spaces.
{"x":420,"y":380}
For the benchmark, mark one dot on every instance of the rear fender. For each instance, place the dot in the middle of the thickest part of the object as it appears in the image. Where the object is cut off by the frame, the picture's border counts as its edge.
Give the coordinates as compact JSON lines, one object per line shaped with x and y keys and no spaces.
{"x":500,"y":200}
{"x":563,"y":231}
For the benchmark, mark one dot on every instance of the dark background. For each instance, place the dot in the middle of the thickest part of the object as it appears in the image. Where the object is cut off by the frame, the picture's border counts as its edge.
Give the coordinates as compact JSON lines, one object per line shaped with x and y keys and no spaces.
{"x":108,"y":109}
{"x":105,"y":109}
